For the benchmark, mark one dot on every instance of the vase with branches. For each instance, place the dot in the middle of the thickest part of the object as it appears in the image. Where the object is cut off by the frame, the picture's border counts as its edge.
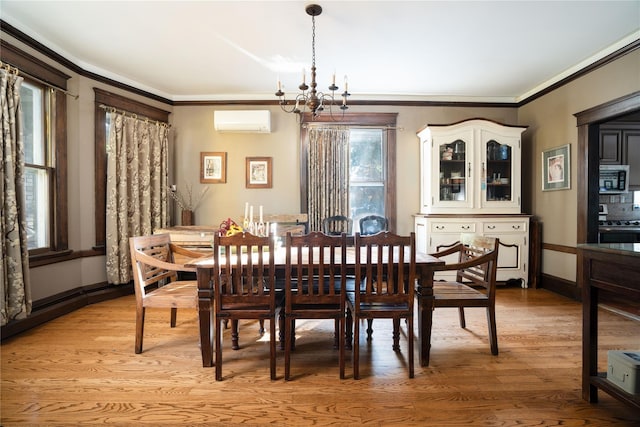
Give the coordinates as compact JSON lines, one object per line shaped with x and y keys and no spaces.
{"x":187,"y":201}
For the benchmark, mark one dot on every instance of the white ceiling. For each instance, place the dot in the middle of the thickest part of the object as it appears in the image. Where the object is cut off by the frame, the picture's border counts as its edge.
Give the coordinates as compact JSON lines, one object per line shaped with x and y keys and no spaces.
{"x":498,"y":51}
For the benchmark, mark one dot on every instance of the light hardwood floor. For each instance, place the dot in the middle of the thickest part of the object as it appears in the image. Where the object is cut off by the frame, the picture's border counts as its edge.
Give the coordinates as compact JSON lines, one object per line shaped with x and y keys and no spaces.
{"x":81,"y":369}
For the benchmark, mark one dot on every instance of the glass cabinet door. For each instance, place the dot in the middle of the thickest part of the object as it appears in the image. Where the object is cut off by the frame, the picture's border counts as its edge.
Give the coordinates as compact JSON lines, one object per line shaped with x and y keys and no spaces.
{"x":498,"y":172}
{"x":452,"y":157}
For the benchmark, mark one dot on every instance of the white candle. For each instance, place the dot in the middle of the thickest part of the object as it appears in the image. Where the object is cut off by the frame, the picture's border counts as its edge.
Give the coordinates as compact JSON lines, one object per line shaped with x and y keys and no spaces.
{"x":303,"y":76}
{"x":251,"y":214}
{"x":346,"y":86}
{"x":261,"y":213}
{"x":333,"y":80}
{"x":279,"y":84}
{"x":246,"y":210}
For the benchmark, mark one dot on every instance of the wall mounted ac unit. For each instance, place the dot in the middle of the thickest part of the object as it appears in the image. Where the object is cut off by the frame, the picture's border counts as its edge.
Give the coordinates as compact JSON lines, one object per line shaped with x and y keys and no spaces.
{"x":251,"y":121}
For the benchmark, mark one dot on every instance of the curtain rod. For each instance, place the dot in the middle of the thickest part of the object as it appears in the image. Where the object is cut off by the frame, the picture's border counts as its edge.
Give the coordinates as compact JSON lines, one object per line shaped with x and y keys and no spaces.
{"x":324,"y":126}
{"x":18,"y":72}
{"x":133,"y":115}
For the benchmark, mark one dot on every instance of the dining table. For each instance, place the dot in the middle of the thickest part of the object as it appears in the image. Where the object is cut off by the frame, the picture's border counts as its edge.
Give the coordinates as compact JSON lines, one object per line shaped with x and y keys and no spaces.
{"x":425,"y":266}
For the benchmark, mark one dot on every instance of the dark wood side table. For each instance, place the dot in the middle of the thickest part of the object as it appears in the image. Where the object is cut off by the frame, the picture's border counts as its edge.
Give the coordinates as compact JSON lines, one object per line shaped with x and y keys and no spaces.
{"x":614,"y":269}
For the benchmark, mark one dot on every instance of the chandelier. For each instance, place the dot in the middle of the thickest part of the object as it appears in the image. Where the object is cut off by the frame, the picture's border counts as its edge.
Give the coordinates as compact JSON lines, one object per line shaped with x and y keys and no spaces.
{"x":312,"y":100}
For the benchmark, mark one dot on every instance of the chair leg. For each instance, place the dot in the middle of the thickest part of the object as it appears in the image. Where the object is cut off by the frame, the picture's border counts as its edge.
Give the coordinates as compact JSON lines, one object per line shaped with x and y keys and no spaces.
{"x":272,"y":347}
{"x":410,"y":339}
{"x":218,"y":348}
{"x":369,"y":329}
{"x":287,"y":347}
{"x":396,"y":334}
{"x":493,"y":334}
{"x":336,"y":334}
{"x":349,"y":330}
{"x":281,"y":326}
{"x":234,"y":334}
{"x":139,"y":329}
{"x":356,"y":349}
{"x":174,"y":313}
{"x":463,"y":323}
{"x":261,"y":329}
{"x":342,"y":326}
{"x":293,"y":334}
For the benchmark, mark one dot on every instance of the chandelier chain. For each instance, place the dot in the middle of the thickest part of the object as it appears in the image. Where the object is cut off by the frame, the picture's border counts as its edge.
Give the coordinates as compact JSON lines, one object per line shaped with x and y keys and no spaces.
{"x":313,"y":41}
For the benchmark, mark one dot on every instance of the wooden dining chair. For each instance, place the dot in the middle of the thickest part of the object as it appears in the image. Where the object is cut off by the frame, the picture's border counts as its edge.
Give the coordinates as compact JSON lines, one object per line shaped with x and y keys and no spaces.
{"x":244,"y":287}
{"x":372,"y":224}
{"x":155,"y":277}
{"x":315,"y":283}
{"x":386,"y":272}
{"x":336,"y":225}
{"x":475,"y":281}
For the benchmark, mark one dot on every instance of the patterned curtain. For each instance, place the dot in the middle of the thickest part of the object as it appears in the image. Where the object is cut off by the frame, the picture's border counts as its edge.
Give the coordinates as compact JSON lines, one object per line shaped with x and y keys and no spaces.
{"x":14,"y":268}
{"x":328,"y":174}
{"x":137,"y":168}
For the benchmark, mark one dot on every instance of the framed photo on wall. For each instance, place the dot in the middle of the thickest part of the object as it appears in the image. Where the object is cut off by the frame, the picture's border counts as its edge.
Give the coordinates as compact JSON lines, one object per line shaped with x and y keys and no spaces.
{"x":259,"y":172}
{"x":213,"y":168}
{"x":556,"y":168}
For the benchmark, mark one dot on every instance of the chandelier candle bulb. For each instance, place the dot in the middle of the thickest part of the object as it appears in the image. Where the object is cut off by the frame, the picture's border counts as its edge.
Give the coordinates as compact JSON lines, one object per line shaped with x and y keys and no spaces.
{"x":251,"y":214}
{"x":246,"y":210}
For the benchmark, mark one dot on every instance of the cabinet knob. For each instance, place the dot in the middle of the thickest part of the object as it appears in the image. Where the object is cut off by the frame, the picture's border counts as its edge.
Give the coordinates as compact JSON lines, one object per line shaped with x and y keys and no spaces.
{"x":491,"y":227}
{"x":465,"y":227}
{"x":439,"y":227}
{"x":516,"y":227}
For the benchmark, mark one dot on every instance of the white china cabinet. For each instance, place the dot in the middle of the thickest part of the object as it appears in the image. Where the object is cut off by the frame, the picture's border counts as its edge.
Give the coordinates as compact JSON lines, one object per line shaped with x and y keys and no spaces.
{"x":470,"y":178}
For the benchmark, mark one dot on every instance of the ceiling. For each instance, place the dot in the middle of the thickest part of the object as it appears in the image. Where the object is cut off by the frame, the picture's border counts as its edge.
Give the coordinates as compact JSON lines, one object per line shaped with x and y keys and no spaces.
{"x":481,"y":51}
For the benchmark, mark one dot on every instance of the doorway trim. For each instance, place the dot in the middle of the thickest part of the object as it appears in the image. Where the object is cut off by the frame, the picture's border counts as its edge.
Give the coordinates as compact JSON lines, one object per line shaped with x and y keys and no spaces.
{"x":588,"y":160}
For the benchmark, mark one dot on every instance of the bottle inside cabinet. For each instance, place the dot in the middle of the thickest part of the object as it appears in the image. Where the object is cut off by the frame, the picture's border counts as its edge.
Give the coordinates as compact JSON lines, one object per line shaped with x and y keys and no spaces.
{"x":498,"y":171}
{"x":452,"y":168}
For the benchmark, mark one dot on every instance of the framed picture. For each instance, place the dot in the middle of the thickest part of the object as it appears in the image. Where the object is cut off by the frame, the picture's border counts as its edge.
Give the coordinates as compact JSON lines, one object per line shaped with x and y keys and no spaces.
{"x":556,"y":168}
{"x":213,"y":168}
{"x":259,"y":172}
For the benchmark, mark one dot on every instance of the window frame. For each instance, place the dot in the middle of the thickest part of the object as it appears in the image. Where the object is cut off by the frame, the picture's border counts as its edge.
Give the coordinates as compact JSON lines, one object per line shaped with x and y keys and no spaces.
{"x":33,"y":69}
{"x":385,"y":121}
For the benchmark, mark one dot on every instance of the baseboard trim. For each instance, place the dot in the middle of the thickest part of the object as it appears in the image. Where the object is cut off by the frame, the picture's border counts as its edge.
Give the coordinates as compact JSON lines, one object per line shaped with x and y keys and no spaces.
{"x":561,"y":286}
{"x":60,"y":304}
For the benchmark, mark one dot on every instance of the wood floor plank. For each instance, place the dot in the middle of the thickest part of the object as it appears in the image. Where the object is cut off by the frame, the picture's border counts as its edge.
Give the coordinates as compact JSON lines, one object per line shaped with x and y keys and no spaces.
{"x":81,"y":369}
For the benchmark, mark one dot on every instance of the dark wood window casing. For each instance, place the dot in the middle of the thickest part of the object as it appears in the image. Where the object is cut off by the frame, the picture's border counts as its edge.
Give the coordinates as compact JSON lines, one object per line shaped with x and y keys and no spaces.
{"x":30,"y":66}
{"x":104,"y":98}
{"x":379,"y":120}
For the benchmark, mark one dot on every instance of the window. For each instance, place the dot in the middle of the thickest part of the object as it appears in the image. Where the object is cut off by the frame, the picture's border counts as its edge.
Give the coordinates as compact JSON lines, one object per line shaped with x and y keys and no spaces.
{"x":39,"y":160}
{"x":44,"y":115}
{"x":371,"y":164}
{"x":367,"y":172}
{"x":102,"y":100}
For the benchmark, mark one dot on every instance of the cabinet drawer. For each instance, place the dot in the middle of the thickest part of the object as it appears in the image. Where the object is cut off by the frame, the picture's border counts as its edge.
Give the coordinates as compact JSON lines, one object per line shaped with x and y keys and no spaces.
{"x":504,"y":227}
{"x":453,"y":227}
